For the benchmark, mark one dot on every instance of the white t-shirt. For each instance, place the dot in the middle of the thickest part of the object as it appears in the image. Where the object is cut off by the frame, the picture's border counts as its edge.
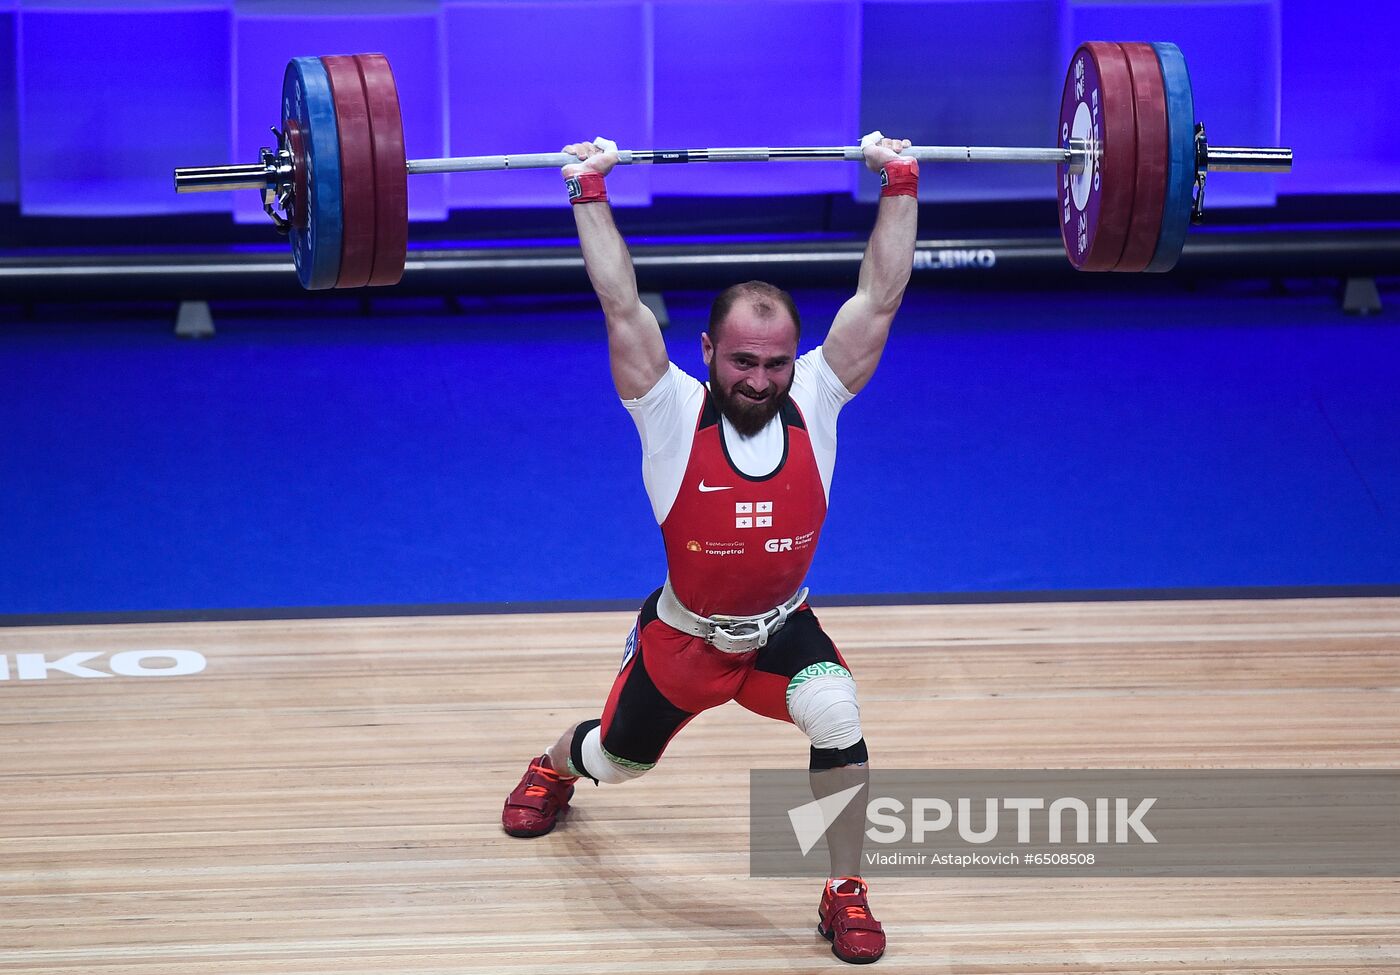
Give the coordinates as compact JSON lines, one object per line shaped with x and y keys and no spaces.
{"x":666,"y":414}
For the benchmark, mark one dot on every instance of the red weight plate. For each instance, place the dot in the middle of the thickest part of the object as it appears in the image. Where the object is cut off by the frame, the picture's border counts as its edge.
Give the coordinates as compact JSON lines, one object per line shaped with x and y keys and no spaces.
{"x":356,"y":172}
{"x":1150,"y":106}
{"x":1097,"y":107}
{"x":390,"y":169}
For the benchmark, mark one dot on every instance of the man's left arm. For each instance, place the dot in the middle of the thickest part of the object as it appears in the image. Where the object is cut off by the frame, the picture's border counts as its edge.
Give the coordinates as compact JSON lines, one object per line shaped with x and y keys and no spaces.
{"x":857,"y":336}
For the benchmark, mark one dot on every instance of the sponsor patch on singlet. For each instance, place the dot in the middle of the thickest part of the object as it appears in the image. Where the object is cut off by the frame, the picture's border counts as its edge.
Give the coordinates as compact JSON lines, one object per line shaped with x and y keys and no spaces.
{"x":629,"y":649}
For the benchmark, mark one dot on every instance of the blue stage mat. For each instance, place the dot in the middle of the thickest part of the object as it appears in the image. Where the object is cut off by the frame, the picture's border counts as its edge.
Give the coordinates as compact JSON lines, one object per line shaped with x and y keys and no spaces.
{"x":1017,"y":442}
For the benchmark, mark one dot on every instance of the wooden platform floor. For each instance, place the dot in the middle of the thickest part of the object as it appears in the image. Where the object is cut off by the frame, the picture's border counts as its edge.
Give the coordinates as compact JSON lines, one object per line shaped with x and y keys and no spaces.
{"x":325,"y":796}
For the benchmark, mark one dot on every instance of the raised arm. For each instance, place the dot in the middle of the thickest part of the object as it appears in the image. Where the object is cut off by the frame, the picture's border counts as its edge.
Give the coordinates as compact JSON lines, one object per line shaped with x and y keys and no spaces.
{"x":857,"y":336}
{"x":635,"y":347}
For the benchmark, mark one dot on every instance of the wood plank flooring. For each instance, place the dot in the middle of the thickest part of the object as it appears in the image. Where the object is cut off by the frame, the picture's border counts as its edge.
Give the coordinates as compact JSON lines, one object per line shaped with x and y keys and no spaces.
{"x":324,"y":796}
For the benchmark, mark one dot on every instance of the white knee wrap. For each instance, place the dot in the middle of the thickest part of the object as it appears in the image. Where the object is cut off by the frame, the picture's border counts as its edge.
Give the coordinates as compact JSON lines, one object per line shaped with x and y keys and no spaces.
{"x":822,"y":702}
{"x":605,"y":767}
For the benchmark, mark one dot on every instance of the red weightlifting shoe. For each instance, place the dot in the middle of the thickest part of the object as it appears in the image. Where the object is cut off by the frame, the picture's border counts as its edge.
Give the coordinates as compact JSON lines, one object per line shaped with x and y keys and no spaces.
{"x":538,"y":801}
{"x":855,"y":936}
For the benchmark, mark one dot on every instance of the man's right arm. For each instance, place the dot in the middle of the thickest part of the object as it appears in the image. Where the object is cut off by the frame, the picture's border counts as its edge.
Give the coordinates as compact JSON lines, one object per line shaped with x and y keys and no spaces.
{"x":635,"y":347}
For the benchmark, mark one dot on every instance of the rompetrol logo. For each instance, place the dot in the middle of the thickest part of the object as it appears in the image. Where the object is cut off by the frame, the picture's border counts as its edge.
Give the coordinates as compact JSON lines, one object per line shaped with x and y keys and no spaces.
{"x":128,"y":663}
{"x":778,"y":545}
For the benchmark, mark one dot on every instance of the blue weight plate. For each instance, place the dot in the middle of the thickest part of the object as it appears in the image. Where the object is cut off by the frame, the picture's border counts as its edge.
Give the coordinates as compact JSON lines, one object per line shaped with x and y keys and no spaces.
{"x":307,"y":100}
{"x":1181,"y":157}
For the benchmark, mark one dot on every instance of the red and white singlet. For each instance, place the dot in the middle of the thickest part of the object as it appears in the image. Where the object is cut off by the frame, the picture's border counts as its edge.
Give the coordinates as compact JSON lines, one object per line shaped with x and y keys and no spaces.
{"x":740,"y":516}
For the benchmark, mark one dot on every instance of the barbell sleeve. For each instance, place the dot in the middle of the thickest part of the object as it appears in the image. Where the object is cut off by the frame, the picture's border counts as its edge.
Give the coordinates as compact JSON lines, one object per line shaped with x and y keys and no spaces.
{"x":1236,"y":159}
{"x":211,"y":179}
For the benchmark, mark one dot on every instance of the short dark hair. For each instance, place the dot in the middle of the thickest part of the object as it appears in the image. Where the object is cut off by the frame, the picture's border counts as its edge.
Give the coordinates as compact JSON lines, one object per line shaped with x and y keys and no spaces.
{"x":765,"y":299}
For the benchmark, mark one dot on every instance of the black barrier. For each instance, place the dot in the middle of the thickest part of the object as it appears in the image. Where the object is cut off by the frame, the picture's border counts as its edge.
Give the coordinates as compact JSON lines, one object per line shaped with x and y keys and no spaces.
{"x":213,"y":273}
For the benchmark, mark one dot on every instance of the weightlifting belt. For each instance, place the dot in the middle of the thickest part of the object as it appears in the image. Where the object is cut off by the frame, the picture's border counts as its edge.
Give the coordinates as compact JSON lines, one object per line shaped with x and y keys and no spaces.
{"x":730,"y":634}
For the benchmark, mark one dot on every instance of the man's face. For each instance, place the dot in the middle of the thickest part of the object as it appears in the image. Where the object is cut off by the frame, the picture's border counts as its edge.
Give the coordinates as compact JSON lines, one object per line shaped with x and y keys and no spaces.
{"x":751,"y":366}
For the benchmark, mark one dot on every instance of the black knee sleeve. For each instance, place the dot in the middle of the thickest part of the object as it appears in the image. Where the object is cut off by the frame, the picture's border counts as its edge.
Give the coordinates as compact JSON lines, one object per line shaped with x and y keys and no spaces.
{"x":576,"y":748}
{"x":825,"y":758}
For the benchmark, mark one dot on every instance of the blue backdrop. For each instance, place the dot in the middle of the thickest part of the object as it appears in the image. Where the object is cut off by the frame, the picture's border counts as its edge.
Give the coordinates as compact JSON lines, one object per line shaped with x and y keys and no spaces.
{"x":1011,"y":441}
{"x":99,"y":99}
{"x":1008,"y":442}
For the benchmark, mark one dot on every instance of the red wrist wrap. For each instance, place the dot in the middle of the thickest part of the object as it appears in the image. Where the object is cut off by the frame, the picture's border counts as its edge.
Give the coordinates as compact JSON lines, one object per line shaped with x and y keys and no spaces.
{"x":587,"y":188}
{"x":900,"y":177}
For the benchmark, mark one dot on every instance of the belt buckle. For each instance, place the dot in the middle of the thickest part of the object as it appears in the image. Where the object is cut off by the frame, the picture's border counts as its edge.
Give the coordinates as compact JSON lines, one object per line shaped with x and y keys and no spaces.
{"x":716,"y":630}
{"x":755,"y":632}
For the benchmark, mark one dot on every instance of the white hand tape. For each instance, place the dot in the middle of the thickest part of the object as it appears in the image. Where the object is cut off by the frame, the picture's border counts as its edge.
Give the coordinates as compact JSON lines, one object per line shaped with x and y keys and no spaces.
{"x":871,"y":139}
{"x":607,"y":145}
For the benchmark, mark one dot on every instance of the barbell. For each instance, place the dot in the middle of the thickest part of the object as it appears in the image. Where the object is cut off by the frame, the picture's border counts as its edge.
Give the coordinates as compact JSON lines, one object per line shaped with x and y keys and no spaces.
{"x":1130,"y":166}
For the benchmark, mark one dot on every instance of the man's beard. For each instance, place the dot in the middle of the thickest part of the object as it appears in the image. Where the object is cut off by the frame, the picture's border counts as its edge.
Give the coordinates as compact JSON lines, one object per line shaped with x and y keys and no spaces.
{"x":748,"y":416}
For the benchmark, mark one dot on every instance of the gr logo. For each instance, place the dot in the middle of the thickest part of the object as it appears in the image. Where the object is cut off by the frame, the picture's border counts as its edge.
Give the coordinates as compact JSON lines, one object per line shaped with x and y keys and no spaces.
{"x":778,"y":545}
{"x":128,"y":663}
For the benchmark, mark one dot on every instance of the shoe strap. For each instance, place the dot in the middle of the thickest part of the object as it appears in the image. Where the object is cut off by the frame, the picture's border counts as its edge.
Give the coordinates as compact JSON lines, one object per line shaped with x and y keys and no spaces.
{"x":522,"y":800}
{"x":844,"y":923}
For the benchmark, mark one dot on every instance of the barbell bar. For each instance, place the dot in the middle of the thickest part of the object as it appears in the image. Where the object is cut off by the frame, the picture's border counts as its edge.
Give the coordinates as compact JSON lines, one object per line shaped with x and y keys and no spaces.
{"x":1219,"y":159}
{"x":1131,"y":163}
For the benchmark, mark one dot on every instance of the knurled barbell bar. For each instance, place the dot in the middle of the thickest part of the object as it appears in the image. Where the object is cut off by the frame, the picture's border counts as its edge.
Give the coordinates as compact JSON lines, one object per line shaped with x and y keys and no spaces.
{"x":1130,"y":167}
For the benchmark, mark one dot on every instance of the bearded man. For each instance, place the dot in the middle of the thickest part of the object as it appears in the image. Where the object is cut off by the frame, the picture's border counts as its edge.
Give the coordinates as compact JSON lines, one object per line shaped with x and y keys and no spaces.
{"x":739,"y":473}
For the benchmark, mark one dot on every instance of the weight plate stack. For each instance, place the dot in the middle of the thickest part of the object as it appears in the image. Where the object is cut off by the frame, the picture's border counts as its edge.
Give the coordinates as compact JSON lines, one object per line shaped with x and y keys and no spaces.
{"x":356,"y":171}
{"x":307,"y":103}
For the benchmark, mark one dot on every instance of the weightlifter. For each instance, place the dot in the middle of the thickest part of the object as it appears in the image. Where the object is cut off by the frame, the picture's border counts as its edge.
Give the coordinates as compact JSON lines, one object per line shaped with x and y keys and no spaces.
{"x":738,"y":472}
